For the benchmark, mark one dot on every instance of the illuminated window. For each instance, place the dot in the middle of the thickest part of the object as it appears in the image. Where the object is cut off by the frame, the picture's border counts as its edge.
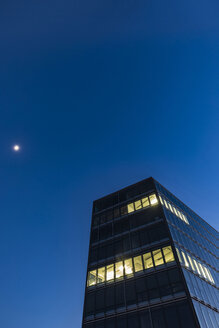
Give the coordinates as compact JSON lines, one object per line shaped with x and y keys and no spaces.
{"x":197,"y":267}
{"x":185,"y":219}
{"x":148,"y":262}
{"x":119,"y":270}
{"x":202,"y":270}
{"x":138,"y":263}
{"x":138,"y":205}
{"x":130,"y":207}
{"x":110,"y":272}
{"x":168,"y":254}
{"x":145,"y":202}
{"x":186,"y":263}
{"x":175,"y":212}
{"x":128,"y":266}
{"x":158,"y":257}
{"x":179,"y":256}
{"x":165,"y":203}
{"x":91,"y":279}
{"x":191,"y":262}
{"x":161,"y":200}
{"x":170,"y":207}
{"x":101,"y":275}
{"x":210,"y":278}
{"x":153,"y":199}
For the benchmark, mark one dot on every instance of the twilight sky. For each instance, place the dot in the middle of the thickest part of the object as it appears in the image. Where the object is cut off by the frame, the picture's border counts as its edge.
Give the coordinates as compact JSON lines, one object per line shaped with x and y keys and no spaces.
{"x":99,"y":94}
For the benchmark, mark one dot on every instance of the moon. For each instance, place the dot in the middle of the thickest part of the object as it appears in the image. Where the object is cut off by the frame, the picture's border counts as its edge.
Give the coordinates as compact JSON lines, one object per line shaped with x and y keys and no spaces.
{"x":16,"y":147}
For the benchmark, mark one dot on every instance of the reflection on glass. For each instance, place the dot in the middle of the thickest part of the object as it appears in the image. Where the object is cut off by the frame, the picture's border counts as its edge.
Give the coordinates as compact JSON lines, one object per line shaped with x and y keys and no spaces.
{"x":138,"y":263}
{"x":110,"y":272}
{"x":119,"y":270}
{"x":128,"y":266}
{"x":148,"y":262}
{"x":191,"y":262}
{"x":138,"y":205}
{"x":130,"y":207}
{"x":91,"y":279}
{"x":101,"y":275}
{"x":161,"y":200}
{"x":168,"y":254}
{"x":179,"y":256}
{"x":196,"y":265}
{"x":158,"y":258}
{"x":153,"y":199}
{"x":145,"y":202}
{"x":185,"y":259}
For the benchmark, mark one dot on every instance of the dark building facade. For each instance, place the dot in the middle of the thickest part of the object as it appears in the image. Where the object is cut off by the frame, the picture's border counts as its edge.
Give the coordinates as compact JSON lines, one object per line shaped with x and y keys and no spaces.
{"x":152,"y":263}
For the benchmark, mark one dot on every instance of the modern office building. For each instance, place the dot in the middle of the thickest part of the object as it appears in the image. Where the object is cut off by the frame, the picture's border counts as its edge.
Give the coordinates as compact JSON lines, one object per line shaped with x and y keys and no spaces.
{"x":152,"y":263}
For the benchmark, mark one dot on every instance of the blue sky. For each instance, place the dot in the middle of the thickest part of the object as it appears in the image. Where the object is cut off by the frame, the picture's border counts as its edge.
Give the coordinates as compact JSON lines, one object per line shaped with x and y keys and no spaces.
{"x":99,"y":95}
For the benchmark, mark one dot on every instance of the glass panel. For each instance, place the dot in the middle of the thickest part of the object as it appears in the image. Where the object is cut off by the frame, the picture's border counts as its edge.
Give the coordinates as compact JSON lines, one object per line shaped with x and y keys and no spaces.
{"x":161,"y":200}
{"x":166,"y":205}
{"x":119,"y":270}
{"x":138,"y":205}
{"x":124,"y":210}
{"x":148,"y":262}
{"x":179,"y":256}
{"x":191,"y":262}
{"x":101,"y":275}
{"x":110,"y":272}
{"x":91,"y":279}
{"x":145,"y":202}
{"x":186,"y":263}
{"x":138,"y":263}
{"x":128,"y":266}
{"x":197,"y":267}
{"x":170,"y":207}
{"x":168,"y":254}
{"x":158,"y":258}
{"x":153,"y":199}
{"x":130,"y":207}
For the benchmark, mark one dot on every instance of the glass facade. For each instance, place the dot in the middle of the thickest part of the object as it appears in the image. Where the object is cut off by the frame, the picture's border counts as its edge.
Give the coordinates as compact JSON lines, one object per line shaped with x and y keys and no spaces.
{"x":152,"y":262}
{"x":196,"y":245}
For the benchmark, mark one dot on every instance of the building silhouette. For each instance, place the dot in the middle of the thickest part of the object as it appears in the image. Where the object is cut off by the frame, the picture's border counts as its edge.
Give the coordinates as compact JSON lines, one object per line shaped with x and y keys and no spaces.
{"x":152,"y":262}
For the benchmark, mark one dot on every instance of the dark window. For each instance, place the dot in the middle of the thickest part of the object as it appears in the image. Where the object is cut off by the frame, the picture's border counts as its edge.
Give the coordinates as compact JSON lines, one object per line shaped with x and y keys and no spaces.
{"x":175,"y":281}
{"x":93,"y":254}
{"x":185,"y":315}
{"x":102,"y":218}
{"x":101,"y":252}
{"x":116,"y":213}
{"x":126,"y":243}
{"x":145,"y":321}
{"x":124,"y":210}
{"x":110,"y":323}
{"x":130,"y":292}
{"x":141,"y":290}
{"x":135,"y":240}
{"x":171,"y":316}
{"x":89,"y":304}
{"x":100,"y":324}
{"x":109,"y":250}
{"x":144,"y":237}
{"x":133,"y":320}
{"x":96,"y":221}
{"x":121,"y":322}
{"x":110,"y":301}
{"x":121,"y":226}
{"x":158,"y":318}
{"x":120,"y":299}
{"x":94,"y":235}
{"x":99,"y":301}
{"x":153,"y":291}
{"x":163,"y":283}
{"x":109,"y":216}
{"x":105,"y":231}
{"x":118,"y":246}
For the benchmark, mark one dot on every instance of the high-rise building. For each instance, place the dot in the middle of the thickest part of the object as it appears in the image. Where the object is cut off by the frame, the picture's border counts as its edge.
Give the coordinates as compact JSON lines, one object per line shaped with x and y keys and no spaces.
{"x":152,"y":262}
